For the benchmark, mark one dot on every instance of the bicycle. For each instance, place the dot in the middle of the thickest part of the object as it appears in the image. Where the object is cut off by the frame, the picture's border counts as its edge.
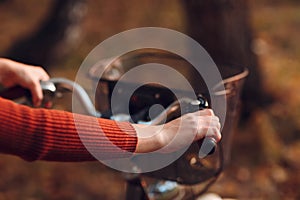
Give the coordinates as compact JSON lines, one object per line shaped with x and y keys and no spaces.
{"x":194,"y":171}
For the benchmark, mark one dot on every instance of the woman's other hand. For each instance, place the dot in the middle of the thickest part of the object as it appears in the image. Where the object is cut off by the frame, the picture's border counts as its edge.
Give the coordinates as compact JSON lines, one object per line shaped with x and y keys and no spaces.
{"x":14,"y":73}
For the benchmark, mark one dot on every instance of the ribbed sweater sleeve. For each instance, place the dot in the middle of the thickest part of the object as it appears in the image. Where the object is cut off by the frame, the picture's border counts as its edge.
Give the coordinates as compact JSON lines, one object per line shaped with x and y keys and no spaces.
{"x":52,"y":135}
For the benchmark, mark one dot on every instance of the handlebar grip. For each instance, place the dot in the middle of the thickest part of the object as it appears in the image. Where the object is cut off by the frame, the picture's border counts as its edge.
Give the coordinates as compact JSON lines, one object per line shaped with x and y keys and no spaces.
{"x":207,"y":147}
{"x":15,"y":92}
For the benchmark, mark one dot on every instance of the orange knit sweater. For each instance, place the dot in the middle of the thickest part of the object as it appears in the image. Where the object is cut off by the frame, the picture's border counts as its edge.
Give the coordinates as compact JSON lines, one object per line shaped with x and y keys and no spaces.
{"x":41,"y":134}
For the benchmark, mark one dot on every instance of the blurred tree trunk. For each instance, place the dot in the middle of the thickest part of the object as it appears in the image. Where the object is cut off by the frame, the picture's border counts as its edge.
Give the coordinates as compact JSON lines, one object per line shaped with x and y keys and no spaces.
{"x":55,"y":37}
{"x":223,"y":29}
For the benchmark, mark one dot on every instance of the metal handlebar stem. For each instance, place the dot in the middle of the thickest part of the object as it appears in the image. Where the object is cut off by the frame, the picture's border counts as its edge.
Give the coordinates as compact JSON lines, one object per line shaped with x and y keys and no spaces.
{"x":79,"y":93}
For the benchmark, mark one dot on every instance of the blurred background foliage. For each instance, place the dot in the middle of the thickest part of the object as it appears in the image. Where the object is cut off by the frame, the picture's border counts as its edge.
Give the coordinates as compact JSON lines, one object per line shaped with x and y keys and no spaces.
{"x":266,"y":149}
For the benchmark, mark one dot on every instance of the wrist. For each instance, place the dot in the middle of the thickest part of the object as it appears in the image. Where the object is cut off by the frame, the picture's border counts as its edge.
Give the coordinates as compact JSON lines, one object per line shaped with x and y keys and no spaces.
{"x":148,"y":138}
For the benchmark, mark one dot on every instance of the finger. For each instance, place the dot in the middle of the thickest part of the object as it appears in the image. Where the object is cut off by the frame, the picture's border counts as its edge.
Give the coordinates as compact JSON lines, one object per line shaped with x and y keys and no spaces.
{"x":213,"y":123}
{"x":36,"y":90}
{"x":211,"y":132}
{"x":207,"y":126}
{"x":206,"y":112}
{"x":43,"y":75}
{"x":37,"y":94}
{"x":208,"y":119}
{"x":214,"y":133}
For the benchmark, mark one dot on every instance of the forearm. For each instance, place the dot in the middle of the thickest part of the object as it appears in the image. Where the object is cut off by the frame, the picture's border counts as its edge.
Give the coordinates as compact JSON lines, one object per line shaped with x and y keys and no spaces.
{"x":40,"y":134}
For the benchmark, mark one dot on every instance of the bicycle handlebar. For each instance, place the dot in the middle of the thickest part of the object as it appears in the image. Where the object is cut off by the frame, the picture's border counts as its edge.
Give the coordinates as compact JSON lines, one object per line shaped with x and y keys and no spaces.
{"x":79,"y":92}
{"x":176,"y":109}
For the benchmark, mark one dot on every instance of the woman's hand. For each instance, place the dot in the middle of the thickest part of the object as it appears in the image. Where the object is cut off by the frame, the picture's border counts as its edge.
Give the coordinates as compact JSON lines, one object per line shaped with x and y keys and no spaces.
{"x":178,"y":133}
{"x":14,"y":73}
